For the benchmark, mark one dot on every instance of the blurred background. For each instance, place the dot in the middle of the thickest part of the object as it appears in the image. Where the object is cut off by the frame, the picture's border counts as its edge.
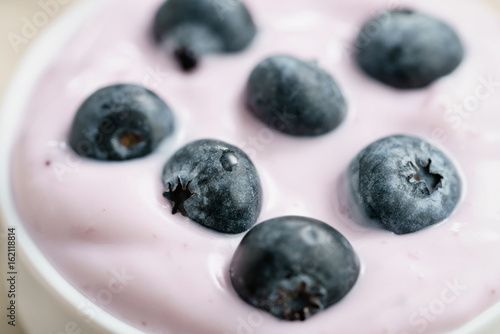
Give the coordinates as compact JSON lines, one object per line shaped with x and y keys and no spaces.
{"x":12,"y":15}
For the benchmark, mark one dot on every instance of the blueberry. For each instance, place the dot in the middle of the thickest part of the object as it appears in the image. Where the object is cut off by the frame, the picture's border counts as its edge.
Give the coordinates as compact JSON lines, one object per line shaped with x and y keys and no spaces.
{"x":407,"y":49}
{"x":295,"y":97}
{"x":120,"y":122}
{"x":293,"y":267}
{"x":214,"y":184}
{"x":404,"y":184}
{"x":192,"y":28}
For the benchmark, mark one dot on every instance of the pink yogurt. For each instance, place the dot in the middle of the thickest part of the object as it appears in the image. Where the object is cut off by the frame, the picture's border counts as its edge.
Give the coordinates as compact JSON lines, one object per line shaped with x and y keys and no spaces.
{"x":109,"y":231}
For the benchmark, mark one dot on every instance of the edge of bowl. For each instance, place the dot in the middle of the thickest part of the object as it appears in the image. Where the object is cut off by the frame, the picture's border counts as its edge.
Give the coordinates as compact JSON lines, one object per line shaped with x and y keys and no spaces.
{"x":12,"y":110}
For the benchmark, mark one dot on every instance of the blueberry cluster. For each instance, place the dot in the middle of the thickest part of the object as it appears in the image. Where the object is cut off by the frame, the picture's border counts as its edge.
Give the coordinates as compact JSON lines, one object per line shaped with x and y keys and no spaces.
{"x":400,"y":183}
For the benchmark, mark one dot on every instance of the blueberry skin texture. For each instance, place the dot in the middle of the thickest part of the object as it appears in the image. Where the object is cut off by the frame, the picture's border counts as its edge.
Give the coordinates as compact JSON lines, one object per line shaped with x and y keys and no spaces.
{"x":293,"y":267}
{"x":225,"y":186}
{"x":404,"y":184}
{"x":295,"y":97}
{"x":410,"y":51}
{"x":198,"y":27}
{"x":120,"y":122}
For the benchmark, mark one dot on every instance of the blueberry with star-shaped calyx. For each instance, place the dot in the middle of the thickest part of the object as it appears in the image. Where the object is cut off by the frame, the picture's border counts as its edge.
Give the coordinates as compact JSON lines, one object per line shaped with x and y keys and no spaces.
{"x":178,"y":196}
{"x":404,"y":184}
{"x":214,"y":184}
{"x":293,"y":267}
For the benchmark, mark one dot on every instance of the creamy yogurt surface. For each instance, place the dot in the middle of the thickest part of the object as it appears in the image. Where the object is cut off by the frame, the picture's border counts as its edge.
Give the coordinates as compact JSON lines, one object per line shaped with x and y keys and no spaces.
{"x":107,"y":228}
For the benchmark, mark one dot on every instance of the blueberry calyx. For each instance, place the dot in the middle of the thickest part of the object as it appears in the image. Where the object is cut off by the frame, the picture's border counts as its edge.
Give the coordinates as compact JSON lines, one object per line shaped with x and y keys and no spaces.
{"x":299,"y":303}
{"x":178,"y":196}
{"x":190,"y":42}
{"x":423,"y":174}
{"x":126,"y":141}
{"x":187,"y":59}
{"x":131,"y":139}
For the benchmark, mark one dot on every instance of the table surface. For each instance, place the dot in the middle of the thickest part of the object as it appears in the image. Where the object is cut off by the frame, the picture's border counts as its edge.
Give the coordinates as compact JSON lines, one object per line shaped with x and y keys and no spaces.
{"x":12,"y":13}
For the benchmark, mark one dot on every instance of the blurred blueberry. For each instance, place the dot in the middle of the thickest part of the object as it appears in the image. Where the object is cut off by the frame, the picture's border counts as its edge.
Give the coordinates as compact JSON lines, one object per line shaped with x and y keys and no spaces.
{"x":193,"y":28}
{"x":295,"y":97}
{"x":407,"y":49}
{"x":120,"y":122}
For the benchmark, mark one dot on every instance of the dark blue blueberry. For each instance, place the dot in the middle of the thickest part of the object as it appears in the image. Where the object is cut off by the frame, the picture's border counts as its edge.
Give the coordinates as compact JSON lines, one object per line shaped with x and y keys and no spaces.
{"x":120,"y":122}
{"x":192,"y":28}
{"x":404,"y":184}
{"x":215,"y":184}
{"x":295,"y":97}
{"x":293,"y":267}
{"x":407,"y":49}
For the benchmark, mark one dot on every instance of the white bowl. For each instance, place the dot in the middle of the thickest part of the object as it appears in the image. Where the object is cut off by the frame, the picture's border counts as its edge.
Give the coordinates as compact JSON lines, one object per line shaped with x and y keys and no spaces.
{"x":46,"y":302}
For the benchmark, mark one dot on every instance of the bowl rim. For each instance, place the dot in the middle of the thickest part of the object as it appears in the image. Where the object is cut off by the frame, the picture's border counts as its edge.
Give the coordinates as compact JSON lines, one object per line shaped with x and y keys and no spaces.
{"x":32,"y":66}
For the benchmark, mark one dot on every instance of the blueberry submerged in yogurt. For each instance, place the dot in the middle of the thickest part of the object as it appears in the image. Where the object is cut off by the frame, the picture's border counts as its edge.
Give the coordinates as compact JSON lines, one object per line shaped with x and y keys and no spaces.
{"x":411,"y":49}
{"x":271,"y":269}
{"x":404,"y":184}
{"x":193,"y":28}
{"x":120,"y":122}
{"x":214,"y":184}
{"x":295,"y":97}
